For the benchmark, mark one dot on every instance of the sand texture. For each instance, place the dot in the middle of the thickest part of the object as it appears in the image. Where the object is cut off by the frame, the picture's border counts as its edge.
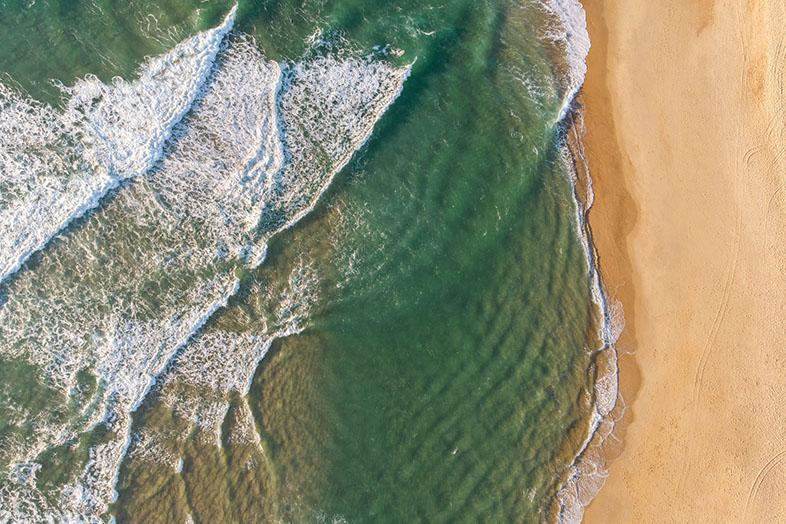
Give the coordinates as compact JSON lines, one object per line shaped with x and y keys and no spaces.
{"x":685,"y":140}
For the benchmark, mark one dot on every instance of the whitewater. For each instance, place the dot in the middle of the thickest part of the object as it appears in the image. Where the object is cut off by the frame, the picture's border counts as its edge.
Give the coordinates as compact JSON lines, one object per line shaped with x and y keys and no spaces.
{"x":146,"y":200}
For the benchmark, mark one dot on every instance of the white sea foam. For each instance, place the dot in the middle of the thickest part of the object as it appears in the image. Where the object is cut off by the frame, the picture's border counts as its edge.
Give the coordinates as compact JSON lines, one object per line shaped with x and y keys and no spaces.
{"x":219,"y":364}
{"x":55,"y":166}
{"x":571,"y":34}
{"x":243,"y":150}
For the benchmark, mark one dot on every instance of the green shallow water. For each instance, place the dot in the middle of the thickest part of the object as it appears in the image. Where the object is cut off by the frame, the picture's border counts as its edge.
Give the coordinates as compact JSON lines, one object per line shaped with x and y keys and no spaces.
{"x":442,"y":373}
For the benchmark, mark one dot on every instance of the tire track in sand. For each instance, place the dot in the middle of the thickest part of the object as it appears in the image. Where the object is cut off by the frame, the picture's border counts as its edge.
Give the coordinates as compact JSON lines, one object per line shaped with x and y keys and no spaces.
{"x":709,"y":345}
{"x":720,"y":313}
{"x":761,"y":476}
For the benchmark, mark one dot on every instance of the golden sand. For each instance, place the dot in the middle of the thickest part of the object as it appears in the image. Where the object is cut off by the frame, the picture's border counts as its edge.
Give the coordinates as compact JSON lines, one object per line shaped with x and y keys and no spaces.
{"x":686,"y":142}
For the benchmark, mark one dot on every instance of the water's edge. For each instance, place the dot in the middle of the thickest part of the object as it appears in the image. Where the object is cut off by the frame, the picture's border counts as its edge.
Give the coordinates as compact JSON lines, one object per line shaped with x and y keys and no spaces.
{"x":587,"y":472}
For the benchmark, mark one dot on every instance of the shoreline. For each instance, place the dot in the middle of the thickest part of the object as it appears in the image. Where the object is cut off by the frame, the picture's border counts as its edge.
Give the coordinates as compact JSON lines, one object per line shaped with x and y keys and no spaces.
{"x":589,"y":467}
{"x":588,"y":470}
{"x":684,"y":149}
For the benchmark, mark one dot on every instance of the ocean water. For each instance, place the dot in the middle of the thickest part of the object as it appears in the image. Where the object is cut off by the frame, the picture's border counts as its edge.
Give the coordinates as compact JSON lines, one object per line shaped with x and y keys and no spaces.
{"x":279,"y":261}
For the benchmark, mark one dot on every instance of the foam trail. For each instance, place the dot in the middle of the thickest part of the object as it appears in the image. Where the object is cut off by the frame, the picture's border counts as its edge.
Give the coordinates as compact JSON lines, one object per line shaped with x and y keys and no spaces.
{"x":54,"y":167}
{"x":337,"y":91}
{"x":571,"y":33}
{"x":220,"y":363}
{"x":129,"y":290}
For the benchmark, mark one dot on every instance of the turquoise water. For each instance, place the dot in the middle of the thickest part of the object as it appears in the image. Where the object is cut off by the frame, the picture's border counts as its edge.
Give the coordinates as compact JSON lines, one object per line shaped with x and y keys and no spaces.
{"x":316,"y":262}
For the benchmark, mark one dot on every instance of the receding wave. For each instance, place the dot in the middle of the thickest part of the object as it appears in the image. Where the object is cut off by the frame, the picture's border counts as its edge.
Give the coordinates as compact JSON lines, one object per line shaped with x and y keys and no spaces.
{"x":211,"y":151}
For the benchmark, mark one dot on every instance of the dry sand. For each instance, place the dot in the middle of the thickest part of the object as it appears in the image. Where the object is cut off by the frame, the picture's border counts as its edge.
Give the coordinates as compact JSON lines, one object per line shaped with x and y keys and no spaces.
{"x":686,"y":143}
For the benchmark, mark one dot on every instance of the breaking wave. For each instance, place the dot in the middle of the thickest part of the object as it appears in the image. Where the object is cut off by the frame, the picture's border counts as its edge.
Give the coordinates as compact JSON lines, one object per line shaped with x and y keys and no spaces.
{"x":196,"y":164}
{"x":55,"y":166}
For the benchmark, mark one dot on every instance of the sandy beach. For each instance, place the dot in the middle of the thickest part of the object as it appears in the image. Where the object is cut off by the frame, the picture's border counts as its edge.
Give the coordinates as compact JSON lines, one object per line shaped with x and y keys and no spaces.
{"x":685,"y":142}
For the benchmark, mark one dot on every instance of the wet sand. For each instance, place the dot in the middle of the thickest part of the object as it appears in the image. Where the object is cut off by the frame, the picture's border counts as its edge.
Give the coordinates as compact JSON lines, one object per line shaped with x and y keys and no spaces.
{"x":685,"y":142}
